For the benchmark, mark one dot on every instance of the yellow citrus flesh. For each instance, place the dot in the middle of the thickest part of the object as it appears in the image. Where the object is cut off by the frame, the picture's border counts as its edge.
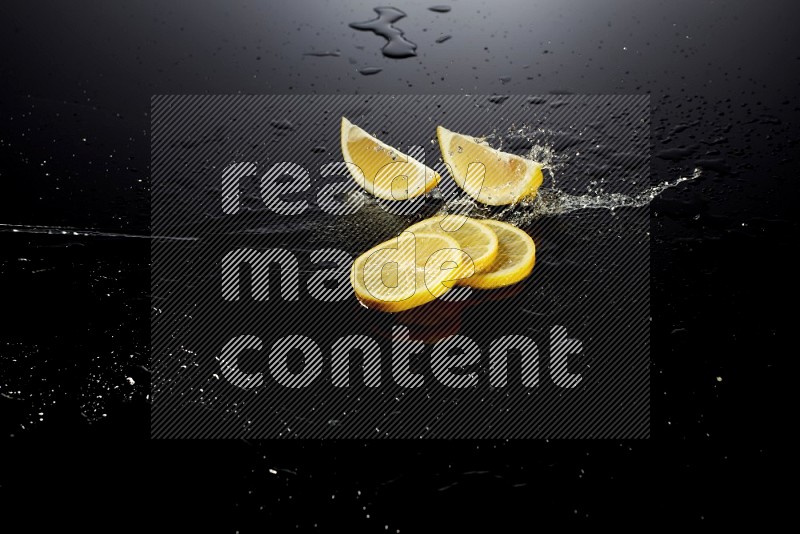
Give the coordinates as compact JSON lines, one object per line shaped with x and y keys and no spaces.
{"x":382,"y":170}
{"x":488,"y":175}
{"x":408,"y":271}
{"x":476,"y":239}
{"x":514,"y":262}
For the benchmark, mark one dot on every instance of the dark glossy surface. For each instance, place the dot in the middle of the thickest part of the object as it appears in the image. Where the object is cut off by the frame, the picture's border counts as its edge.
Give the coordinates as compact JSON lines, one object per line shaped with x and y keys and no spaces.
{"x":74,"y":153}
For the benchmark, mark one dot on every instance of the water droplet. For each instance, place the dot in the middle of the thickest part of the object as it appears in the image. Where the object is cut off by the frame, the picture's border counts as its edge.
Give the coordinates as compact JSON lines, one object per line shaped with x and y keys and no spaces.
{"x":369,"y":71}
{"x":325,"y":53}
{"x":497,"y":99}
{"x":282,"y":125}
{"x":674,"y":154}
{"x":397,"y":45}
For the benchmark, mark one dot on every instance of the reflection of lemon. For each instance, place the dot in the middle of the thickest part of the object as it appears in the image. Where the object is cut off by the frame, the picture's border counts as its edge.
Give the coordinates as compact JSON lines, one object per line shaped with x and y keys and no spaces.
{"x":380,"y":169}
{"x":514,"y":261}
{"x":408,"y":271}
{"x":488,"y":175}
{"x":474,"y":237}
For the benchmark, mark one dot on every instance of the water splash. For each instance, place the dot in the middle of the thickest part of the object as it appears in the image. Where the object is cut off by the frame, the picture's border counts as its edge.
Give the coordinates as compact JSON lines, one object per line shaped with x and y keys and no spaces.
{"x":80,"y":232}
{"x":520,"y":140}
{"x":397,"y":45}
{"x":551,"y":202}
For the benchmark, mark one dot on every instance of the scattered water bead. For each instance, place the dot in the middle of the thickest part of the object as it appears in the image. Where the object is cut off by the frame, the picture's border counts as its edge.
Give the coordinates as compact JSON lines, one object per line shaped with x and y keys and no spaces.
{"x":326,"y":53}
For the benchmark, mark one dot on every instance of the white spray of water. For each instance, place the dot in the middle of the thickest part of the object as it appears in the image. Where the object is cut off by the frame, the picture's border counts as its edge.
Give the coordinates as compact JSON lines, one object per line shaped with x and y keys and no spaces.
{"x":553,"y":201}
{"x":550,"y":202}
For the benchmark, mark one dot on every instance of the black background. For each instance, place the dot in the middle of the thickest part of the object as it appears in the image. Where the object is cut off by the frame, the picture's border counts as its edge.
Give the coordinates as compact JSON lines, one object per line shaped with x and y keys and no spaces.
{"x":76,"y":85}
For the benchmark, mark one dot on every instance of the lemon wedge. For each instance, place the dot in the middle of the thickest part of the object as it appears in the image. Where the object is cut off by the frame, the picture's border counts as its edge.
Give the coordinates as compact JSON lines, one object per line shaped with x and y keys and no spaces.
{"x":408,"y":271}
{"x":514,"y":262}
{"x":476,"y":239}
{"x":488,"y":175}
{"x":382,"y":170}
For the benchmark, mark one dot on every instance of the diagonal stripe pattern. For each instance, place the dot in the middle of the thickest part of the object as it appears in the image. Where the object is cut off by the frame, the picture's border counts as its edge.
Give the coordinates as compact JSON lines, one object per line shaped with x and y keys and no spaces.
{"x":255,"y":332}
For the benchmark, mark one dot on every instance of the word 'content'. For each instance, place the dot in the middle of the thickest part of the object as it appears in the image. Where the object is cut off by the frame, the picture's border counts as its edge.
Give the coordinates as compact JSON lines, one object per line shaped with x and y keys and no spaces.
{"x":454,"y":361}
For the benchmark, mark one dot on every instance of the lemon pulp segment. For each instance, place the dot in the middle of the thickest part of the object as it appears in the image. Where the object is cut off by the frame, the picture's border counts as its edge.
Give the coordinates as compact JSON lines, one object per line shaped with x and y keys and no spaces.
{"x":382,"y":170}
{"x":408,"y":271}
{"x":515,"y":258}
{"x":476,"y":239}
{"x":486,"y":174}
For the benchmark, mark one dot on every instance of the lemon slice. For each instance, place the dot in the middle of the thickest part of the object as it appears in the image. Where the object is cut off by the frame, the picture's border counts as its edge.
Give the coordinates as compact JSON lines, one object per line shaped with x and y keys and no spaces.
{"x":488,"y":175}
{"x":514,"y":261}
{"x":408,"y":271}
{"x":475,"y":238}
{"x":382,"y":170}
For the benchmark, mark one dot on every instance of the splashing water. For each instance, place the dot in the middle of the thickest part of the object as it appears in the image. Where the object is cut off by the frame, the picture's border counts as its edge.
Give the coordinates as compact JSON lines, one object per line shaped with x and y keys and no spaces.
{"x":80,"y":232}
{"x":551,"y":202}
{"x":520,"y":140}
